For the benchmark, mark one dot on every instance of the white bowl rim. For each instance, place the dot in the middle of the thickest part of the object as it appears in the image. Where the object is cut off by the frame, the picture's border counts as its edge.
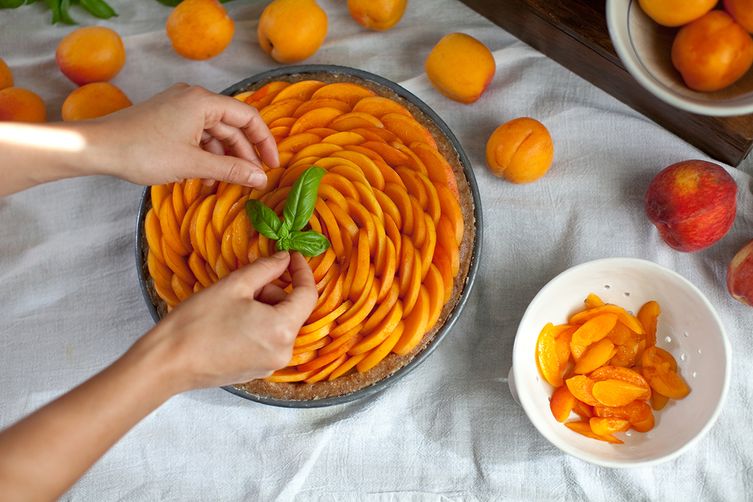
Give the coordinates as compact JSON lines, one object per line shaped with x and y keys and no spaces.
{"x":526,"y":401}
{"x":642,"y":75}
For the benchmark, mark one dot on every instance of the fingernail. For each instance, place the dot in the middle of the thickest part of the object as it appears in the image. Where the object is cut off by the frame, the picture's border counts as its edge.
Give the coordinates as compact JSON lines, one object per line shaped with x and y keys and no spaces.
{"x":257,"y":179}
{"x":280,"y":255}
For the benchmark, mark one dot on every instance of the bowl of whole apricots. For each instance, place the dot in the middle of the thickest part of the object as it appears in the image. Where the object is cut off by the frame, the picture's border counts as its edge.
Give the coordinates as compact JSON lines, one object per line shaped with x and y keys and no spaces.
{"x":693,"y":54}
{"x":621,"y":362}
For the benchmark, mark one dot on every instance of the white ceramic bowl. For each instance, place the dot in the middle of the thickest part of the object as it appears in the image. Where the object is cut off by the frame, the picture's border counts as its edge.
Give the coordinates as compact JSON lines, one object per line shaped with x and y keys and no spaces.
{"x":689,"y":328}
{"x":645,"y":49}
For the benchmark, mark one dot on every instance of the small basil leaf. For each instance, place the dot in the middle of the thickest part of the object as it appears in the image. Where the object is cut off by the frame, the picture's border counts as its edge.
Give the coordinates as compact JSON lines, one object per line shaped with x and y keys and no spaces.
{"x":10,"y":4}
{"x":308,"y":243}
{"x":99,"y":8}
{"x":169,"y":3}
{"x":54,"y":6}
{"x":283,"y":244}
{"x":64,"y":14}
{"x":302,"y":198}
{"x":263,"y":219}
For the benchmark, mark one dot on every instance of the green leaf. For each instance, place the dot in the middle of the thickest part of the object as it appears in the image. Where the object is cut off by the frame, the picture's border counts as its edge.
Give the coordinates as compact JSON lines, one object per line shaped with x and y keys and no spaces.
{"x":99,"y":8}
{"x":264,"y":220}
{"x":64,"y":15}
{"x":54,"y":6}
{"x":10,"y":4}
{"x":302,"y":197}
{"x":308,"y":243}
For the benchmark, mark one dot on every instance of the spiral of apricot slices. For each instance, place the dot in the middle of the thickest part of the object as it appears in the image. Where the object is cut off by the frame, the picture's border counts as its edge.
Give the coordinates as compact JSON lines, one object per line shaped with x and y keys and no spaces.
{"x":604,"y":366}
{"x":388,"y":204}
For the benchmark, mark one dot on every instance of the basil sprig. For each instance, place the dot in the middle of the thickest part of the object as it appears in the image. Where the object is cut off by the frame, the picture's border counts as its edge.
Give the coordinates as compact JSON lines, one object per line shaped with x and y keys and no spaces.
{"x":299,"y":206}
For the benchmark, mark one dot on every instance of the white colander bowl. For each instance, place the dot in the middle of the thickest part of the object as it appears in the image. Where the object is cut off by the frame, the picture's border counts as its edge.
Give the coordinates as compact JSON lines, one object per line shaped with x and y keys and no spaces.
{"x":689,"y":328}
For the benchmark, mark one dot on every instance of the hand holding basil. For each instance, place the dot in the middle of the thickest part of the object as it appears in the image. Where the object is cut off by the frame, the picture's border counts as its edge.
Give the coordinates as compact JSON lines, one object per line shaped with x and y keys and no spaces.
{"x":299,"y":207}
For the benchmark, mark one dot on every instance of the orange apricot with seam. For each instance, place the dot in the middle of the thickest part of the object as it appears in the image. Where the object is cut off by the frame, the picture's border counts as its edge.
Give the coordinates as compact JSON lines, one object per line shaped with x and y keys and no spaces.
{"x":21,"y":105}
{"x":6,"y":76}
{"x":377,"y":15}
{"x":91,"y":54}
{"x":94,"y":100}
{"x":199,"y":29}
{"x":712,"y":52}
{"x":676,"y":12}
{"x":521,"y":150}
{"x":292,"y":30}
{"x":741,"y":11}
{"x":460,"y":67}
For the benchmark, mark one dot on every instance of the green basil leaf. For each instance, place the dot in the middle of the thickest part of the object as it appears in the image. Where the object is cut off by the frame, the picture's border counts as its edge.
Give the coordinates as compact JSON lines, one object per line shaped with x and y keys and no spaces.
{"x":99,"y":8}
{"x":64,"y":14}
{"x":10,"y":4}
{"x":302,"y":197}
{"x":308,"y":243}
{"x":54,"y":6}
{"x":169,"y":3}
{"x":264,"y":220}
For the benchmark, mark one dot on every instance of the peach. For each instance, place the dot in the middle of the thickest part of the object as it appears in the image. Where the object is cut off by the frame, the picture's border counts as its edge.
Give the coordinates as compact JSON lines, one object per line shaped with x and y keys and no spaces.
{"x":292,"y":30}
{"x":712,"y":52}
{"x":676,"y":12}
{"x":6,"y":77}
{"x":377,"y":15}
{"x":692,"y":204}
{"x":21,"y":105}
{"x":520,"y":150}
{"x":740,"y":275}
{"x":741,"y":11}
{"x":460,"y":67}
{"x":91,"y":54}
{"x":94,"y":100}
{"x":199,"y":29}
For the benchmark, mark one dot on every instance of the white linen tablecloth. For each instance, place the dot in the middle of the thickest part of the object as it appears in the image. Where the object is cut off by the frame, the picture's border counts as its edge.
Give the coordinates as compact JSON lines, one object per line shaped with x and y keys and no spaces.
{"x":70,"y":300}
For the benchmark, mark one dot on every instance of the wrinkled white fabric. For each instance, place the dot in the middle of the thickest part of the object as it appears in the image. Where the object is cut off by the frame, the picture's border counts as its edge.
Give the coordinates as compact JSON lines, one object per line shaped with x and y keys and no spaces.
{"x":70,"y":301}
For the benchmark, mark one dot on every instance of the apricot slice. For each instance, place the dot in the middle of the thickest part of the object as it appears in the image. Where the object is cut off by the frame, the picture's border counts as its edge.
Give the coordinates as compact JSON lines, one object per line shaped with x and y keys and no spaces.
{"x":658,"y":401}
{"x":619,"y":373}
{"x":299,"y":90}
{"x":318,"y":117}
{"x":623,"y":315}
{"x":593,"y":301}
{"x":636,"y":411}
{"x":607,"y":426}
{"x":562,"y":403}
{"x":666,"y":382}
{"x":547,"y":358}
{"x":343,"y":91}
{"x":378,"y":106}
{"x":593,"y":330}
{"x":584,"y":428}
{"x":618,"y":392}
{"x":596,"y":355}
{"x":644,"y":425}
{"x":655,"y":357}
{"x":582,"y":388}
{"x":648,"y":315}
{"x":583,"y":410}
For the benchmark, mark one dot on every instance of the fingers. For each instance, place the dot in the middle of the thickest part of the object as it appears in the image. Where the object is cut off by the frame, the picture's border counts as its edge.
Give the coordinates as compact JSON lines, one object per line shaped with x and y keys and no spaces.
{"x":271,"y":294}
{"x":212,"y":144}
{"x":231,"y":169}
{"x":299,"y":304}
{"x":253,"y":278}
{"x":245,"y":118}
{"x":235,"y":141}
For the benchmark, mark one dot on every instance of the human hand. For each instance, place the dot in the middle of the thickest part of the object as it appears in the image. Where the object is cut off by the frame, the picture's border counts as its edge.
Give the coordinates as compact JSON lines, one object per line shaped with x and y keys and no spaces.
{"x":184,"y":132}
{"x":241,"y":328}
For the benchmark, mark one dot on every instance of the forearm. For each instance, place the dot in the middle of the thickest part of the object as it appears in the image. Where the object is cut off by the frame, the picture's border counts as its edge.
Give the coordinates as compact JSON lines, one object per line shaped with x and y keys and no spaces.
{"x":31,"y":154}
{"x":45,"y":453}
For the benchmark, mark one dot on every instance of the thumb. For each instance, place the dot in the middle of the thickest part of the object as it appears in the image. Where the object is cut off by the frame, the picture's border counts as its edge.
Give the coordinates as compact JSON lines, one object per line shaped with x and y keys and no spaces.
{"x":231,"y":169}
{"x":252,"y":278}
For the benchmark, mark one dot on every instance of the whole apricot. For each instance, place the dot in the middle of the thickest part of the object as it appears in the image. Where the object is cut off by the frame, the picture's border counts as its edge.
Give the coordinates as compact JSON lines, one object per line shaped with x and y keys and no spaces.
{"x":460,"y":67}
{"x":740,"y":275}
{"x":377,"y":15}
{"x":692,"y":204}
{"x":521,"y":150}
{"x":712,"y":52}
{"x":741,"y":11}
{"x":199,"y":29}
{"x":292,"y":30}
{"x":6,"y":77}
{"x":94,"y":100}
{"x":21,"y":105}
{"x":91,"y":54}
{"x":676,"y":12}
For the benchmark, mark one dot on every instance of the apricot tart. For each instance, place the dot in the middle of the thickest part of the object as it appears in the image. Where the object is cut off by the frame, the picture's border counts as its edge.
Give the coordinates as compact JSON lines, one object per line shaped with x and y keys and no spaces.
{"x":395,"y":204}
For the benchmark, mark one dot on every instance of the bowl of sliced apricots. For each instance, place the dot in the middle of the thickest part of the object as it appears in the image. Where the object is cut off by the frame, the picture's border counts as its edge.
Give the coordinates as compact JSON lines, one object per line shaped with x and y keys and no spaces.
{"x":395,"y":222}
{"x":621,"y":362}
{"x":695,"y":55}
